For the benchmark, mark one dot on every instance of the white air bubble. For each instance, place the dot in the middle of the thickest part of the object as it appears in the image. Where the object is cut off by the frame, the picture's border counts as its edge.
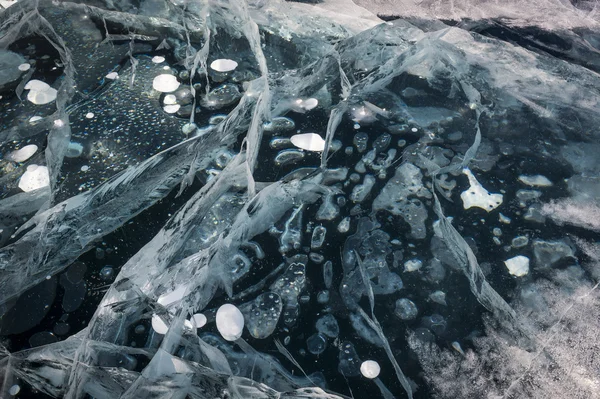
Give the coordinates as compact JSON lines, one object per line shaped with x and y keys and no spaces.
{"x":223,"y":65}
{"x":24,"y":67}
{"x":89,"y":115}
{"x":230,"y":322}
{"x":40,"y":92}
{"x":112,"y":76}
{"x":34,"y":177}
{"x":171,"y":109}
{"x":170,"y":99}
{"x":370,"y":369}
{"x":35,"y":119}
{"x":198,"y":320}
{"x":22,"y":154}
{"x":308,"y":141}
{"x":165,"y":83}
{"x":159,"y":325}
{"x":157,"y":59}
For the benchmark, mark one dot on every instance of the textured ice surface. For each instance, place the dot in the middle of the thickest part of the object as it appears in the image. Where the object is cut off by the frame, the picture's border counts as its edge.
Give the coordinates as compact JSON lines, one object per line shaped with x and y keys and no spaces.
{"x":168,"y":229}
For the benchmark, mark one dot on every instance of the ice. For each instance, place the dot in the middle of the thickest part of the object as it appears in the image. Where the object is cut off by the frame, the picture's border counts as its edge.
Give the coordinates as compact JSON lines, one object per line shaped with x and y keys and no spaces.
{"x":396,"y":195}
{"x":517,"y":266}
{"x":477,"y":196}
{"x":174,"y":296}
{"x":438,"y":297}
{"x":535,"y":181}
{"x":138,"y":233}
{"x":550,"y":254}
{"x":370,"y":369}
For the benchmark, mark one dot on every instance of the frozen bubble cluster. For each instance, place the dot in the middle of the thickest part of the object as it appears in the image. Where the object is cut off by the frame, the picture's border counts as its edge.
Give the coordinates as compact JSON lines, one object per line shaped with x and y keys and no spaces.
{"x":299,"y":199}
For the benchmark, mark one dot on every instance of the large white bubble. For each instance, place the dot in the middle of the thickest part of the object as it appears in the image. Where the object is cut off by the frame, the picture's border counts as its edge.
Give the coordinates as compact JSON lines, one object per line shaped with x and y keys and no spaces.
{"x":370,"y":369}
{"x":34,"y":177}
{"x":308,"y":141}
{"x":230,"y":322}
{"x":165,"y":83}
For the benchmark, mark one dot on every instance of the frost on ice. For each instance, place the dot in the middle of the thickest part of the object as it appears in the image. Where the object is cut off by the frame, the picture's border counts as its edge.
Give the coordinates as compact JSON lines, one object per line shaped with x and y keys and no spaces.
{"x":240,"y":257}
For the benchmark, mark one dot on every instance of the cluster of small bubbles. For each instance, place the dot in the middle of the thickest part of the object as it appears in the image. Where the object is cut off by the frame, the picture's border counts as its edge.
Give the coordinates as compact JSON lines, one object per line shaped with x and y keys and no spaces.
{"x":279,"y":124}
{"x":382,"y":142}
{"x":262,"y":314}
{"x":360,"y":141}
{"x":349,"y":362}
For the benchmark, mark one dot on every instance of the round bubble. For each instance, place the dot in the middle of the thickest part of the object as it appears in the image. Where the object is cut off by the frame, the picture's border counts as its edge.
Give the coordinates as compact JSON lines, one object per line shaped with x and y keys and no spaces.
{"x":15,"y":389}
{"x":230,"y":322}
{"x":316,"y":344}
{"x":165,"y":83}
{"x":159,"y":325}
{"x":435,"y":323}
{"x":223,"y":65}
{"x":406,"y":309}
{"x":370,"y":369}
{"x":198,"y":320}
{"x":61,"y":328}
{"x":107,"y":273}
